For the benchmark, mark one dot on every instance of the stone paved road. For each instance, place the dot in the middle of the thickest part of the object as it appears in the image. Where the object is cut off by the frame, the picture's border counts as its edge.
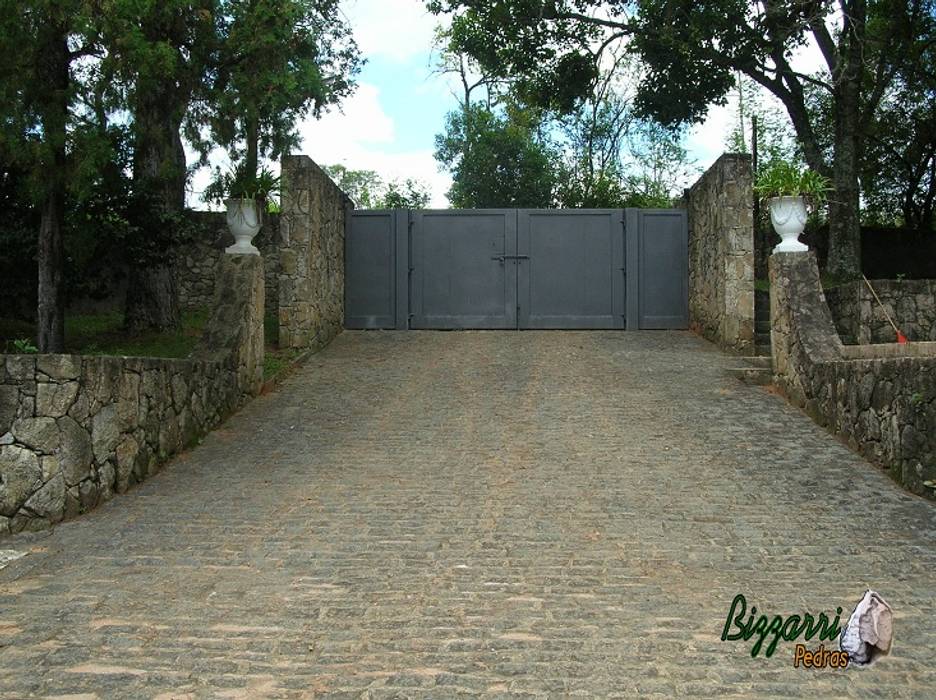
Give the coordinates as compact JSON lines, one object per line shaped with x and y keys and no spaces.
{"x":532,"y":514}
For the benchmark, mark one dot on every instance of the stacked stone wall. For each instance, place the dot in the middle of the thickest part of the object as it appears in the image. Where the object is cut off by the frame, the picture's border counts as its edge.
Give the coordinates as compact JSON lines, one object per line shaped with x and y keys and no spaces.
{"x":311,"y":255}
{"x":721,"y":254}
{"x":881,"y":399}
{"x":75,"y":429}
{"x":861,"y":320}
{"x":197,"y":265}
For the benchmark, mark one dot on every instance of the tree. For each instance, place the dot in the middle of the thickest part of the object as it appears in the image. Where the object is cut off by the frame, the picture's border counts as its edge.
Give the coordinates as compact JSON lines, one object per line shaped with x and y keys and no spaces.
{"x":279,"y":60}
{"x":362,"y":186}
{"x":691,"y":50}
{"x":41,"y":42}
{"x":369,"y":190}
{"x":496,"y":160}
{"x":775,"y":137}
{"x":899,"y":168}
{"x":591,"y":172}
{"x":160,"y":54}
{"x":408,"y":194}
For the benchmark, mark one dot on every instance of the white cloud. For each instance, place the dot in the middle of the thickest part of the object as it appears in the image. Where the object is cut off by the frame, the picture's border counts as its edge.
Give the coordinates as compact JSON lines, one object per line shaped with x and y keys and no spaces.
{"x":706,"y":141}
{"x":393,"y":29}
{"x":362,"y":138}
{"x":359,"y":118}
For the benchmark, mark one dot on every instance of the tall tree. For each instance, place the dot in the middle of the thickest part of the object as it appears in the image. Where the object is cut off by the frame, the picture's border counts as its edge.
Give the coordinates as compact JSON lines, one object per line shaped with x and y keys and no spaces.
{"x":362,"y":186}
{"x":496,"y":160}
{"x":280,"y":59}
{"x":162,"y":52}
{"x":41,"y":41}
{"x":691,"y":50}
{"x":775,"y":137}
{"x":614,"y":157}
{"x":369,"y":190}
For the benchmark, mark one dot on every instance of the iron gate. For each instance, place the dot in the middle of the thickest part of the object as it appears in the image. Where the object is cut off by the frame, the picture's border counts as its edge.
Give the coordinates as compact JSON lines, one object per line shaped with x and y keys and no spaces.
{"x":509,"y":268}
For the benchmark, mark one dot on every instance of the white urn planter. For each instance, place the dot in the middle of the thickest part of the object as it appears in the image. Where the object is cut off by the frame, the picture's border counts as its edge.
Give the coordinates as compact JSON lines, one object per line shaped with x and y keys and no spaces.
{"x":244,"y":222}
{"x":788,"y":216}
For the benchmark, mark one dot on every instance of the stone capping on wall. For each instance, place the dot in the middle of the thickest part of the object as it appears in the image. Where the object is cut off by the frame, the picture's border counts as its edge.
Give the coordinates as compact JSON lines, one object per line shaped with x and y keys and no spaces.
{"x":880,"y":399}
{"x":76,"y":429}
{"x":312,"y":247}
{"x":721,"y":253}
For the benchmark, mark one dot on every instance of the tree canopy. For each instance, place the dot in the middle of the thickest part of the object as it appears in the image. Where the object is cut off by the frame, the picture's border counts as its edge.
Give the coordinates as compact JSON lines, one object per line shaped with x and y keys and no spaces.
{"x":369,"y":190}
{"x":99,"y":98}
{"x":690,"y":51}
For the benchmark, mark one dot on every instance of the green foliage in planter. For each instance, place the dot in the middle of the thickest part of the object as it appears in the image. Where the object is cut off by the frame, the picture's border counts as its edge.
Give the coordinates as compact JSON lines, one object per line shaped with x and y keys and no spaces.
{"x":783,"y":179}
{"x":237,"y":184}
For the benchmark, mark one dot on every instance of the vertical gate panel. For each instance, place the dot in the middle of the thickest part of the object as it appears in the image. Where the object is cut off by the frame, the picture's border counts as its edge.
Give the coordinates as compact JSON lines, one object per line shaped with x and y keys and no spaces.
{"x":464,"y":274}
{"x":370,"y":270}
{"x":663,"y":268}
{"x":403,"y":266}
{"x":570,"y":268}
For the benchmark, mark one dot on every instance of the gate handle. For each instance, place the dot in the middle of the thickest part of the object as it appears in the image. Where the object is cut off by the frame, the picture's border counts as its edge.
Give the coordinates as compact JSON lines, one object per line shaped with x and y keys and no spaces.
{"x":502,"y":258}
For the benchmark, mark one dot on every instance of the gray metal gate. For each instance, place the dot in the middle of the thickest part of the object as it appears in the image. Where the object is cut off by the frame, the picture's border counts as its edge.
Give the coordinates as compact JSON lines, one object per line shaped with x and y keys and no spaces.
{"x":463,"y":269}
{"x":509,"y":268}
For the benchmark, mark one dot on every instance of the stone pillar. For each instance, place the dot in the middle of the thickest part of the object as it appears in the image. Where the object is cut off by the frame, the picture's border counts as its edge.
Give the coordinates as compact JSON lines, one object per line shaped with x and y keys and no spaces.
{"x":234,"y":334}
{"x":312,"y":234}
{"x":802,"y":331}
{"x":721,"y":253}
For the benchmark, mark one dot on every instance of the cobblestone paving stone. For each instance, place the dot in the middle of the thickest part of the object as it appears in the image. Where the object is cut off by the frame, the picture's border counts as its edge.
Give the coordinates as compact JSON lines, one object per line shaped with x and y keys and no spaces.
{"x":533,"y":514}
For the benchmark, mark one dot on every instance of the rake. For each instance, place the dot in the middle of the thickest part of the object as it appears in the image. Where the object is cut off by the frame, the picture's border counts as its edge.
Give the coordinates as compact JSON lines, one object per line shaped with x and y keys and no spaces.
{"x":901,"y":338}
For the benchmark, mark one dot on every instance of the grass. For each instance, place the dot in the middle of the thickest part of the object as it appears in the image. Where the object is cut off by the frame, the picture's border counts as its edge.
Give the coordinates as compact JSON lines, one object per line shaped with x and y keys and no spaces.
{"x":277,"y":360}
{"x":103,"y":334}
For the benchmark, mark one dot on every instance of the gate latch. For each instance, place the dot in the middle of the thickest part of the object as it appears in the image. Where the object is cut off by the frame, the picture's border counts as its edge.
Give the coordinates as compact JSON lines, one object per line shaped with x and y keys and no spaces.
{"x":502,"y":258}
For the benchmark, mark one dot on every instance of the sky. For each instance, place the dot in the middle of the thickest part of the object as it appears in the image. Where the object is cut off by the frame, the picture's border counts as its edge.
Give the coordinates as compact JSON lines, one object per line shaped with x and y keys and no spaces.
{"x":389,"y":124}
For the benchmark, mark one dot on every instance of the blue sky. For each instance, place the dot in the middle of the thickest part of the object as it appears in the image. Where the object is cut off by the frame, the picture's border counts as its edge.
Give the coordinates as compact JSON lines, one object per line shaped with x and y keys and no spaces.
{"x":389,"y":124}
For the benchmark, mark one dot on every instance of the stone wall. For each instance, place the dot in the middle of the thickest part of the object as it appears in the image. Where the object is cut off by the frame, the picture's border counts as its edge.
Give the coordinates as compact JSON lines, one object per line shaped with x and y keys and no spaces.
{"x":312,"y":237}
{"x":721,"y":254}
{"x":197,"y":266}
{"x":75,"y":429}
{"x":881,"y":399}
{"x":859,"y":318}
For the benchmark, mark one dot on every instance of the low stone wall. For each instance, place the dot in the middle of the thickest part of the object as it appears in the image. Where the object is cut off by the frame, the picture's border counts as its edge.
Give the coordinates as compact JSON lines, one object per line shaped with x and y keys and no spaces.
{"x":721,"y":254}
{"x":311,"y":254}
{"x":197,"y":266}
{"x":880,"y":399}
{"x":75,"y":429}
{"x":860,"y":319}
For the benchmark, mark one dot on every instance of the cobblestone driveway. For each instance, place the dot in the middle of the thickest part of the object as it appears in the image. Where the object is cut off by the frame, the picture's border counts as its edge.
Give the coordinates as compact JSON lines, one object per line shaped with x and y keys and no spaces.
{"x":438,"y":514}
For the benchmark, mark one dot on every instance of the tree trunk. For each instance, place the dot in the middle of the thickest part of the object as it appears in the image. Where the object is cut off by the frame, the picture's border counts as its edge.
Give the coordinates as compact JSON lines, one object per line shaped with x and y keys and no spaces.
{"x":50,"y":322}
{"x":251,"y":155}
{"x":152,"y":302}
{"x":844,"y":223}
{"x":844,"y":259}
